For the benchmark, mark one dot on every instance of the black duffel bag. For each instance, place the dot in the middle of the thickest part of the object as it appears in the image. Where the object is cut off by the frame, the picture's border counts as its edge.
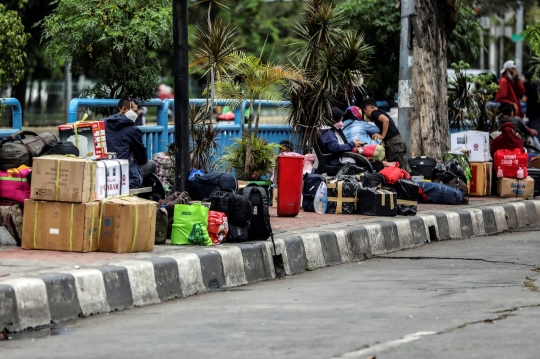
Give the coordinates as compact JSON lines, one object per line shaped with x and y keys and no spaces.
{"x":59,"y":148}
{"x":201,"y":188}
{"x":239,"y":211}
{"x":21,"y":147}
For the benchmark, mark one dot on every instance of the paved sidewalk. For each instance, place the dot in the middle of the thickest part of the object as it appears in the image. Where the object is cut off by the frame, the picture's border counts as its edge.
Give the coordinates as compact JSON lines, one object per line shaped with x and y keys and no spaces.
{"x":40,"y":287}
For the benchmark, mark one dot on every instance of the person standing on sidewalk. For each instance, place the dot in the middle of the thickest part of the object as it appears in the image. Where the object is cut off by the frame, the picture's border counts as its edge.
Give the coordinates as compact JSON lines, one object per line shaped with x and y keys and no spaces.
{"x":511,"y":88}
{"x":395,"y":147}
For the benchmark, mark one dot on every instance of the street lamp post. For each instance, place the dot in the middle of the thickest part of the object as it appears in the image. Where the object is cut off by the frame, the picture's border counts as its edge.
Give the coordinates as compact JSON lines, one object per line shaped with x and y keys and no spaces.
{"x":181,"y":93}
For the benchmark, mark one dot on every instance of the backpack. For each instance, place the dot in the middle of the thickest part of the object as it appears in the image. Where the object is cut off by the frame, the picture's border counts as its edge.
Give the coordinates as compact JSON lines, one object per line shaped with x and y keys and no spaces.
{"x":260,"y":228}
{"x":202,"y":187}
{"x":452,"y":174}
{"x":422,"y":166}
{"x":59,"y":148}
{"x":169,"y":202}
{"x":311,"y":184}
{"x":239,"y":211}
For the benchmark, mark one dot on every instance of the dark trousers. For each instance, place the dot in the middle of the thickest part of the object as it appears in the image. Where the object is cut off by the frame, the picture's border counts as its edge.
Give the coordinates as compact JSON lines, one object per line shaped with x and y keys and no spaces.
{"x":396,"y":151}
{"x":148,"y":168}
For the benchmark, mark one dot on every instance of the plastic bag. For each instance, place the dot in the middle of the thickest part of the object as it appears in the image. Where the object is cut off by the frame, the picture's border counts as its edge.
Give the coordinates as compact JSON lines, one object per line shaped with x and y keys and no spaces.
{"x":321,"y":199}
{"x":195,"y":172}
{"x":218,"y":226}
{"x":190,"y":225}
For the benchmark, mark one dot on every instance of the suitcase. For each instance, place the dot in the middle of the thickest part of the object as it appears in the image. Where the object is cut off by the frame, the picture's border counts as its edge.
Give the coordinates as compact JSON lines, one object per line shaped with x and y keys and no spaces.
{"x":534,"y":173}
{"x":422,"y":166}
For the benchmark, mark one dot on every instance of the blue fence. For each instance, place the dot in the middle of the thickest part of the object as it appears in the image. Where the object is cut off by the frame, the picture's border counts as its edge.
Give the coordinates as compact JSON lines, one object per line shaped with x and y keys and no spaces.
{"x":156,"y":138}
{"x":16,"y":116}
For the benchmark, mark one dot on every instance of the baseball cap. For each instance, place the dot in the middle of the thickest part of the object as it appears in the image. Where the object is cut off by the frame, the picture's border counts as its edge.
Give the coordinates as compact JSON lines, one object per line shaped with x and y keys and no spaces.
{"x":510,"y":64}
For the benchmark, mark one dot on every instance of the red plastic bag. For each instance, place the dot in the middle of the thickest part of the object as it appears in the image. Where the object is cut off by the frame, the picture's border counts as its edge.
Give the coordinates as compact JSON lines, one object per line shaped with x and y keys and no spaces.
{"x":393,"y":174}
{"x":218,"y":226}
{"x":510,"y":161}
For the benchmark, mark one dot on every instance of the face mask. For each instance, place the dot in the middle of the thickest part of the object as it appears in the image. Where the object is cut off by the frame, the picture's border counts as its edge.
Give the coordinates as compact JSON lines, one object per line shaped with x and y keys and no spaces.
{"x":132,"y":115}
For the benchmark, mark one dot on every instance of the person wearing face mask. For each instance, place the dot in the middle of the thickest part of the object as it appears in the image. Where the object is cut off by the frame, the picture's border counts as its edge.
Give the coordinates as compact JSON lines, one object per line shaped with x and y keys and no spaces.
{"x":511,"y":88}
{"x":331,"y":141}
{"x":125,"y":139}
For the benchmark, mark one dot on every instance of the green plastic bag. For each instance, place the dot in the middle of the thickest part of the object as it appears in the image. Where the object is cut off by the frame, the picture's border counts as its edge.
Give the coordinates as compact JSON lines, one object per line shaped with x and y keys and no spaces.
{"x":190,"y":225}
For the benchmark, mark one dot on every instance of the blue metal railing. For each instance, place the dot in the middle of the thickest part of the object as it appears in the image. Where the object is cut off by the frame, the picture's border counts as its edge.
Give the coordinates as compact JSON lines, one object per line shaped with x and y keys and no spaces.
{"x":154,"y":137}
{"x":16,"y":116}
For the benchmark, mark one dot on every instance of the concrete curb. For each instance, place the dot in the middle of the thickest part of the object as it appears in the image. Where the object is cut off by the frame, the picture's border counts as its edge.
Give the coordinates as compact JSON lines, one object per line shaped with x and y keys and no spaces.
{"x":32,"y":302}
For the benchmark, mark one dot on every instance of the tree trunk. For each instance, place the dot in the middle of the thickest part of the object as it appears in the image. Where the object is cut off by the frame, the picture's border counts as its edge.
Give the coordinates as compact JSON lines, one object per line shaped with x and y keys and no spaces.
{"x":429,"y":115}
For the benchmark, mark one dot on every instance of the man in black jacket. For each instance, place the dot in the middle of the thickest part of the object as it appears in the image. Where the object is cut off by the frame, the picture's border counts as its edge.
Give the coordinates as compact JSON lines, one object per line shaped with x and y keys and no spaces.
{"x":125,"y":138}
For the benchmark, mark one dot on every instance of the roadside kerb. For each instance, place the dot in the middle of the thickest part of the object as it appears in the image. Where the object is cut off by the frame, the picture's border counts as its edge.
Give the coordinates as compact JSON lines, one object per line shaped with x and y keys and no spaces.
{"x":35,"y":301}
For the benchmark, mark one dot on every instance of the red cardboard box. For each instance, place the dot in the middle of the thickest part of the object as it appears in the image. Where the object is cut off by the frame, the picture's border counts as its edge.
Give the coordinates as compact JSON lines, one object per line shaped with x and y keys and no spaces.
{"x":88,"y":136}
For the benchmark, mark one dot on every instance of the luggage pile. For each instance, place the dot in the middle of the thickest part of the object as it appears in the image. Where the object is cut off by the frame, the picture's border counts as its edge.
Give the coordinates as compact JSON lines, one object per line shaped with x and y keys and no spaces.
{"x":511,"y":168}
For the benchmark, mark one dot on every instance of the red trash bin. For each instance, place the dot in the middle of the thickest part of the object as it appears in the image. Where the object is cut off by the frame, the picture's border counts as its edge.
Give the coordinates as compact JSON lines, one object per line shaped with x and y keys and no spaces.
{"x":289,"y":196}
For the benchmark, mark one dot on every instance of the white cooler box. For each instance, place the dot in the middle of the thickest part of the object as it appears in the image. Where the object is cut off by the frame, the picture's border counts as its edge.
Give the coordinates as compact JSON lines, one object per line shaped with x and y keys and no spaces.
{"x":476,"y":142}
{"x":112,"y":178}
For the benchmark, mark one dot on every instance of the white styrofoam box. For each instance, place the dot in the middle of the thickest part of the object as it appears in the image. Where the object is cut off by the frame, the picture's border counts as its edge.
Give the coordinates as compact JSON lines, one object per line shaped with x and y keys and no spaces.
{"x":476,"y":142}
{"x":112,"y":178}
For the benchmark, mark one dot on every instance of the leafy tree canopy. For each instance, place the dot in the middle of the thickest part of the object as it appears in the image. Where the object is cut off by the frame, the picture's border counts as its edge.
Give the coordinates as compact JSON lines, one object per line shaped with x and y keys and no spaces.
{"x":487,"y":7}
{"x":12,"y":41}
{"x":464,"y":42}
{"x":112,"y":40}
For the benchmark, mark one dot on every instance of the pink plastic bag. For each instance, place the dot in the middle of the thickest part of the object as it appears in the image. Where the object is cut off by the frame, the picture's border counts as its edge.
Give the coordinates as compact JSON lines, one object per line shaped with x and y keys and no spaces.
{"x":14,"y":185}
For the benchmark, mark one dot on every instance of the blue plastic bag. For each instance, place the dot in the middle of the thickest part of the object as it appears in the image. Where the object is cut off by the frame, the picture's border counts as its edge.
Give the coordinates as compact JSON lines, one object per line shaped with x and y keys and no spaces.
{"x":195,"y":172}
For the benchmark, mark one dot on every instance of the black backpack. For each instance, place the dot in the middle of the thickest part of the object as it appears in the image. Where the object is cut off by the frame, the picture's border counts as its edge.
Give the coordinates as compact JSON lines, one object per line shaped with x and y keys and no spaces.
{"x":202,"y":187}
{"x":59,"y":148}
{"x":260,"y":228}
{"x":311,"y":184}
{"x":238,"y":210}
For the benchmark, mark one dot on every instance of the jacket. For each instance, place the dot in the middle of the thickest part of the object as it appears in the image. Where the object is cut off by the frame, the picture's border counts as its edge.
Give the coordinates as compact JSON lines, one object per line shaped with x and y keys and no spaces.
{"x":328,"y":142}
{"x":361,"y":131}
{"x":124,"y":138}
{"x":511,"y":92}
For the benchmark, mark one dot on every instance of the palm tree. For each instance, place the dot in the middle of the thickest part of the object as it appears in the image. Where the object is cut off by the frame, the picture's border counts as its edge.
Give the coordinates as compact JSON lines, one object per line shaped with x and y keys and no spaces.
{"x":336,"y":62}
{"x":251,"y":79}
{"x":213,"y":46}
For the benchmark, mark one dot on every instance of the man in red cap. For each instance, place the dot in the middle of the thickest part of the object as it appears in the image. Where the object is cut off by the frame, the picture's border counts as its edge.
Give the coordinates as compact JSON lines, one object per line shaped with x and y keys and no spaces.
{"x":511,"y":88}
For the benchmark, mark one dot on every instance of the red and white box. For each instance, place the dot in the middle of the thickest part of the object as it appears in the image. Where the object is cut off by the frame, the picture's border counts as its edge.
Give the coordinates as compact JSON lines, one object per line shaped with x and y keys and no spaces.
{"x":88,"y":137}
{"x":476,"y":143}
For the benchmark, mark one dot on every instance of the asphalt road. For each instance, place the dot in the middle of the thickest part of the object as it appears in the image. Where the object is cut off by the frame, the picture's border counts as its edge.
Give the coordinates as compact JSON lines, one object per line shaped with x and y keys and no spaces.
{"x":457,"y":299}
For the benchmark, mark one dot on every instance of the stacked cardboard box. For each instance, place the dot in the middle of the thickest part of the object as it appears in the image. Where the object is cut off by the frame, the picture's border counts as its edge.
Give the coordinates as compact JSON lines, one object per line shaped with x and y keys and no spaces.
{"x":476,"y":144}
{"x":71,"y":208}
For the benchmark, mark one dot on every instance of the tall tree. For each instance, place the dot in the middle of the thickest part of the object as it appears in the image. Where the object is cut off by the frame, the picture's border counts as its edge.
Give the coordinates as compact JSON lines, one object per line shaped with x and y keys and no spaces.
{"x":112,"y":40}
{"x":429,"y":125}
{"x":12,"y":41}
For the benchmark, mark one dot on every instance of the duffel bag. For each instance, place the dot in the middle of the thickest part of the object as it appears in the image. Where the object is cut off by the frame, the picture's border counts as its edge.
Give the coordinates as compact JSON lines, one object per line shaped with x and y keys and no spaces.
{"x":201,"y":187}
{"x":59,"y":148}
{"x":439,"y":193}
{"x":510,"y":161}
{"x":311,"y":184}
{"x":21,"y":147}
{"x":393,"y":174}
{"x":459,"y":184}
{"x":422,"y":166}
{"x":15,"y":184}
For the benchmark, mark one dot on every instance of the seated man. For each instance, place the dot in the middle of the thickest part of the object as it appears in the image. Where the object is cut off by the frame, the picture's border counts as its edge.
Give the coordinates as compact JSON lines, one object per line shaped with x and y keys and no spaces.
{"x":124,"y":138}
{"x":527,"y":134}
{"x":331,"y":142}
{"x":355,"y":128}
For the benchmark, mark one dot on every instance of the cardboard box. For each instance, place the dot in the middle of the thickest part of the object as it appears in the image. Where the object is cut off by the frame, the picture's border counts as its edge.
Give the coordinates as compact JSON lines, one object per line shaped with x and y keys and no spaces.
{"x":128,"y":224}
{"x":63,"y":179}
{"x":535,"y":162}
{"x":480,"y":183}
{"x":274,"y":196}
{"x":112,"y":178}
{"x":88,"y":136}
{"x":511,"y":187}
{"x":476,"y":143}
{"x":60,"y":226}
